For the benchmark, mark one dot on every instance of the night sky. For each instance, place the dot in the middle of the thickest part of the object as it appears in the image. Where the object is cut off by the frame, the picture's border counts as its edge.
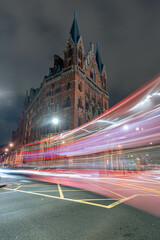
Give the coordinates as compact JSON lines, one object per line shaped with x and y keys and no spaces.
{"x":32,"y":31}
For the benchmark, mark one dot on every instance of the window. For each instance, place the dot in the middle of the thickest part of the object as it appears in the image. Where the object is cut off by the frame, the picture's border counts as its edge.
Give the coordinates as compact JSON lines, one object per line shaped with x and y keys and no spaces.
{"x":49,"y":93}
{"x":57,"y":105}
{"x":79,"y":53}
{"x":105,"y":105}
{"x":58,"y":90}
{"x":93,"y":110}
{"x":69,"y":63}
{"x":66,"y":123}
{"x":69,"y":51}
{"x":80,"y":87}
{"x":80,"y":102}
{"x":68,"y":86}
{"x":68,"y":101}
{"x":79,"y":121}
{"x":91,"y":74}
{"x":86,"y":105}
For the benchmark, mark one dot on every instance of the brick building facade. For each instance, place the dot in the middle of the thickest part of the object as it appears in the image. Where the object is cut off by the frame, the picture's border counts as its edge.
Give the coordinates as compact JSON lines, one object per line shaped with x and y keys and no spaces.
{"x":74,"y":91}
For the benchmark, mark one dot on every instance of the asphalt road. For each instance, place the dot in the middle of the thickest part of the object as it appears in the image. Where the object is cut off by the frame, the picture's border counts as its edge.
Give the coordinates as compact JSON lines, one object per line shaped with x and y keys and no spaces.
{"x":40,"y":211}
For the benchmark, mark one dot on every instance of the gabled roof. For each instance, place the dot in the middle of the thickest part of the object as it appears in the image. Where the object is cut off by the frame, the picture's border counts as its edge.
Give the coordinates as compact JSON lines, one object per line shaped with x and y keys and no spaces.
{"x":98,"y":58}
{"x":74,"y":32}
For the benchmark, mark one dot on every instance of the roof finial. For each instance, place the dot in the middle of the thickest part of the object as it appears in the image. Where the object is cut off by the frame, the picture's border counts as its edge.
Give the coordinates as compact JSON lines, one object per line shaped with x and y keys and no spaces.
{"x":74,"y":32}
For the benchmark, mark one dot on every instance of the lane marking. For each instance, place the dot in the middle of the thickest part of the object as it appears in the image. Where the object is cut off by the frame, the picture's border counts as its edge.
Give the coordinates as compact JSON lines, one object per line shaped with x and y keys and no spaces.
{"x":122,"y":201}
{"x":60,"y":191}
{"x":18,"y":187}
{"x":72,"y":200}
{"x":103,"y":199}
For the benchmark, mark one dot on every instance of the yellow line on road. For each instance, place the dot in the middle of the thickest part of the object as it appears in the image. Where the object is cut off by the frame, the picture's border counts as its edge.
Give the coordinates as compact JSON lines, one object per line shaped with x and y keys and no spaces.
{"x":60,"y":191}
{"x":99,"y":199}
{"x":69,"y":199}
{"x":121,"y":201}
{"x":18,"y":187}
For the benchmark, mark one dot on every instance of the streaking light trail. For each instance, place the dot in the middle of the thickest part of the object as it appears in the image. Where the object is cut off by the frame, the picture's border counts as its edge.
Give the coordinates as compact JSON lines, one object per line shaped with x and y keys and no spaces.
{"x":122,"y":141}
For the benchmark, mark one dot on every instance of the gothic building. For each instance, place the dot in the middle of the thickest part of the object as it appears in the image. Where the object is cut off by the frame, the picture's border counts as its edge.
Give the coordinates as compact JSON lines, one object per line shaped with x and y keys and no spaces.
{"x":74,"y":91}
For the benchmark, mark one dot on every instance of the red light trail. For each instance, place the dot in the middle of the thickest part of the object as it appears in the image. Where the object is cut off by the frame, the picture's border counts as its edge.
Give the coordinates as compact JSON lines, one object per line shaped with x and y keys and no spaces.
{"x":107,"y":155}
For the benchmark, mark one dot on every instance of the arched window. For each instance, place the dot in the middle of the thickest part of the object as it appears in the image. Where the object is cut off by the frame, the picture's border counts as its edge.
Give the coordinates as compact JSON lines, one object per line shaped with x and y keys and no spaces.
{"x":86,"y":104}
{"x":80,"y":87}
{"x":68,"y":86}
{"x":93,"y":110}
{"x":69,"y":51}
{"x":80,"y":102}
{"x":80,"y":53}
{"x":91,"y":74}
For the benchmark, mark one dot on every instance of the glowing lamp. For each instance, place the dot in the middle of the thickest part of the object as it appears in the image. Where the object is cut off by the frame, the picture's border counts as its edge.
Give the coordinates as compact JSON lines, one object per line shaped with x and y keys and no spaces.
{"x":55,"y":121}
{"x":11,"y":144}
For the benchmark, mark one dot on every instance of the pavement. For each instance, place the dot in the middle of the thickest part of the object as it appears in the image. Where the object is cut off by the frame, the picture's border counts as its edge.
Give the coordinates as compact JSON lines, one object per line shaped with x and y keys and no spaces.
{"x":36,"y":210}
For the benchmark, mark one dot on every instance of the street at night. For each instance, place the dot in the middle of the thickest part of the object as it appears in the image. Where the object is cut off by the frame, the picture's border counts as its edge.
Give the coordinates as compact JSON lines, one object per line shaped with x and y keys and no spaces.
{"x":35,"y":210}
{"x":80,"y":120}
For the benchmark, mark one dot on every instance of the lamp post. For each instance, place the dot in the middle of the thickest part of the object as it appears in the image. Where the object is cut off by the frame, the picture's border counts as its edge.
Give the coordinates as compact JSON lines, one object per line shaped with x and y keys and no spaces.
{"x":55,"y":122}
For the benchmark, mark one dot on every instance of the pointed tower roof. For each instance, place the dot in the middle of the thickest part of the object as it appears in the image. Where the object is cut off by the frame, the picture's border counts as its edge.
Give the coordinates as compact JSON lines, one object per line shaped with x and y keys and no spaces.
{"x":74,"y":32}
{"x":98,"y":58}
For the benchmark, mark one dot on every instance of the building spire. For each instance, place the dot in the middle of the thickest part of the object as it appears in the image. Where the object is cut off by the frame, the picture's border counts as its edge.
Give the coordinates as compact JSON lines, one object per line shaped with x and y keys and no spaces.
{"x":98,"y":58}
{"x":74,"y":32}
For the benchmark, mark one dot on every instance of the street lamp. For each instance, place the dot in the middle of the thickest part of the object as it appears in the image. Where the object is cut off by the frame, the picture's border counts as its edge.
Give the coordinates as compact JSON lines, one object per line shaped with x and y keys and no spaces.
{"x":11,"y":144}
{"x":6,"y":149}
{"x":55,"y":121}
